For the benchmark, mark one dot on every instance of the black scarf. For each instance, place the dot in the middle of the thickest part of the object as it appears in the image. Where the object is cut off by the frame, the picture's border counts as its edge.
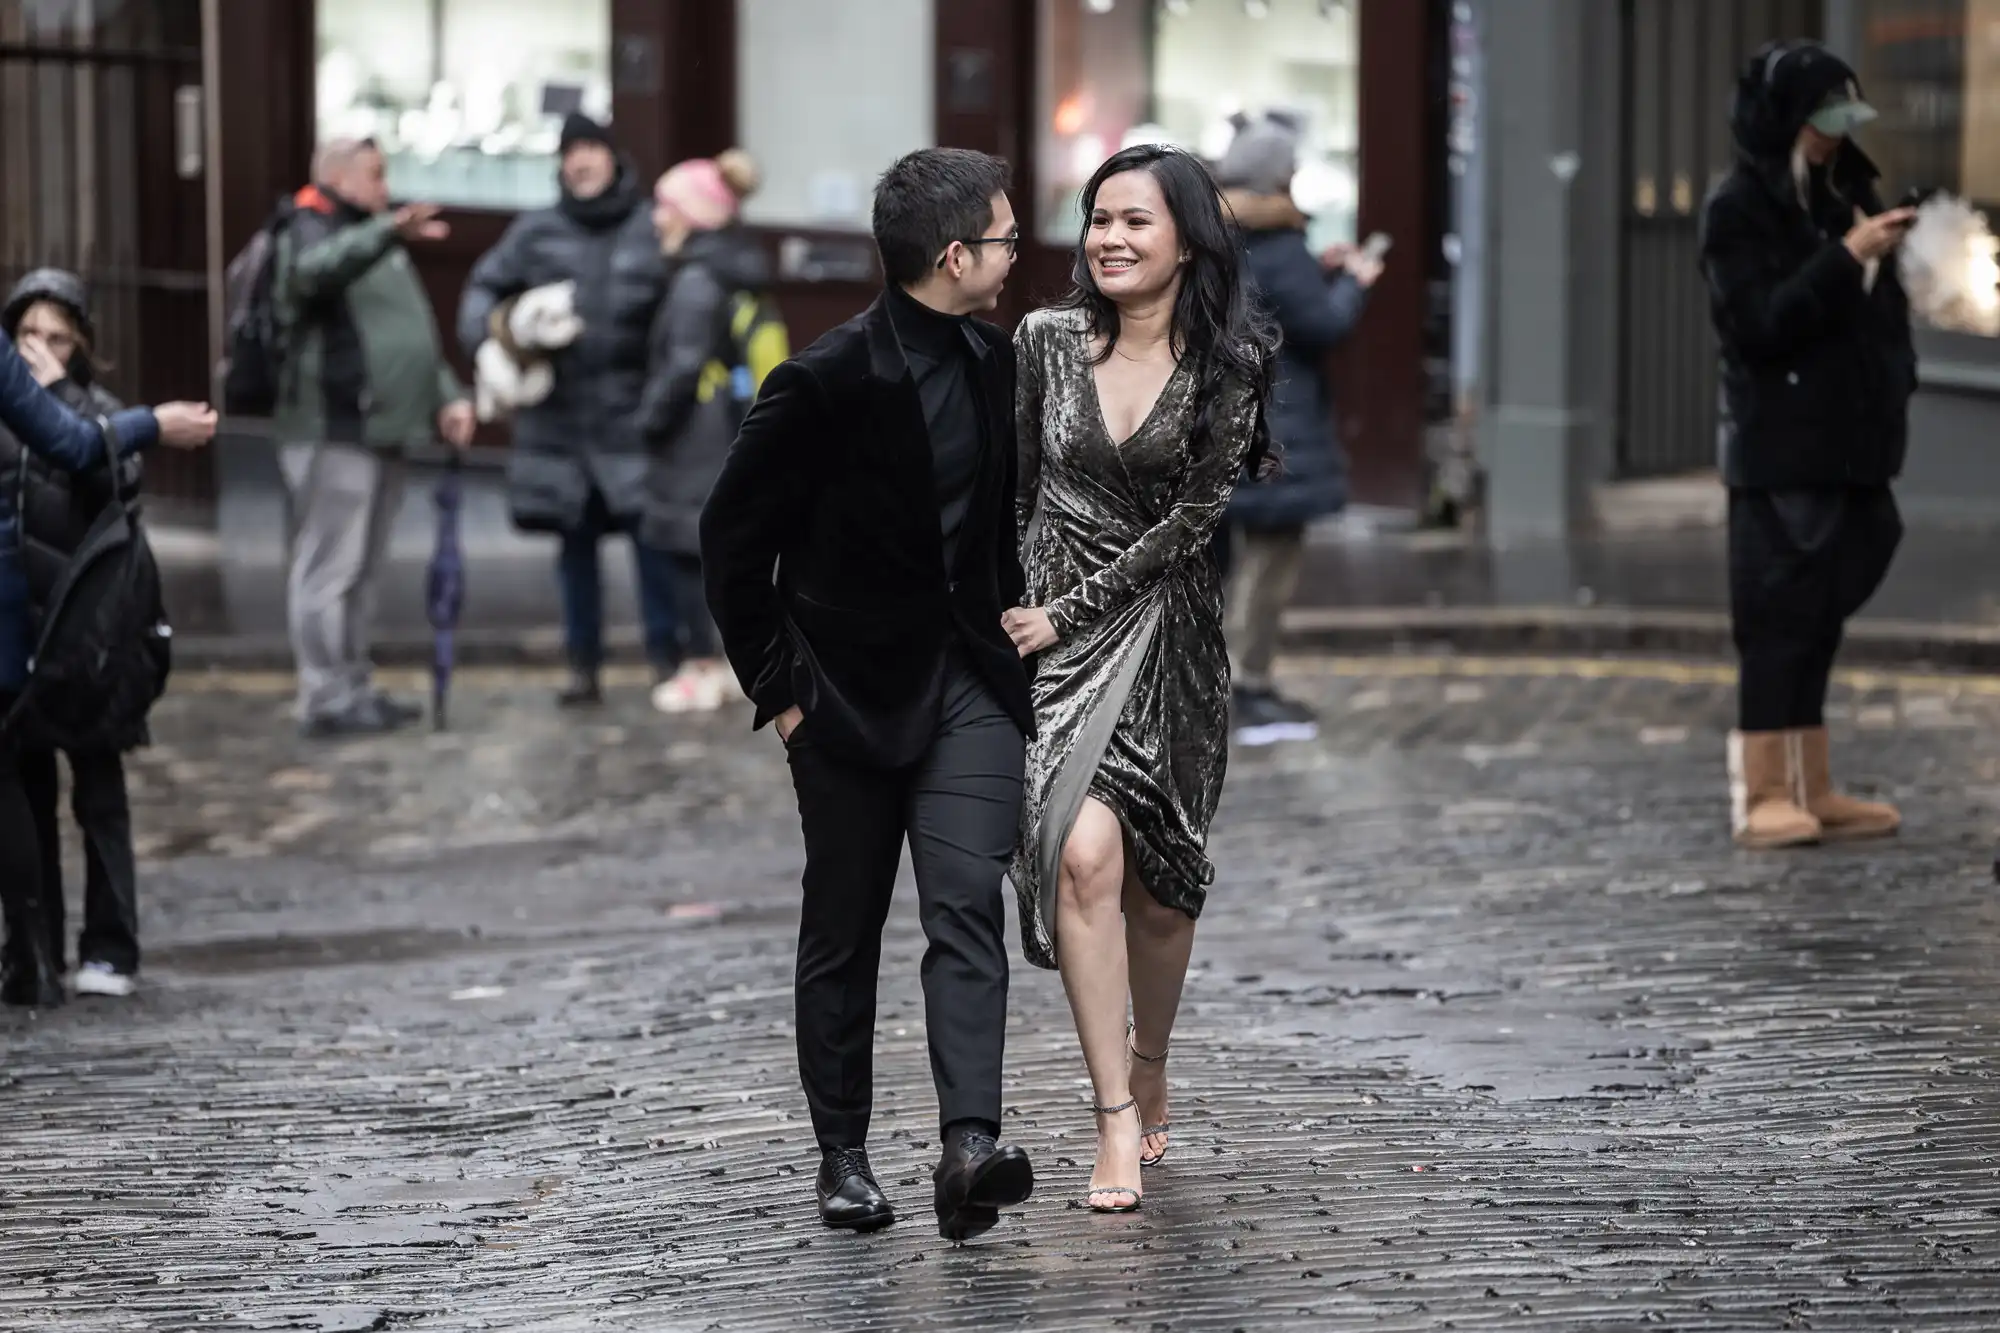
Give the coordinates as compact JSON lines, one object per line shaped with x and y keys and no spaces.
{"x":608,"y":209}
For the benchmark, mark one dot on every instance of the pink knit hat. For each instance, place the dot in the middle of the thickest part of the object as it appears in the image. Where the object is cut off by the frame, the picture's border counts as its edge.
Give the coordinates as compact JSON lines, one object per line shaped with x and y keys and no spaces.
{"x":698,"y":190}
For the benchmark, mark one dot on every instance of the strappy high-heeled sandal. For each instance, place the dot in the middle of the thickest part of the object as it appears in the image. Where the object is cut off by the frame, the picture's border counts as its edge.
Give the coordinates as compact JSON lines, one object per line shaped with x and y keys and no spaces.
{"x":1149,"y":1131}
{"x":1116,"y":1190}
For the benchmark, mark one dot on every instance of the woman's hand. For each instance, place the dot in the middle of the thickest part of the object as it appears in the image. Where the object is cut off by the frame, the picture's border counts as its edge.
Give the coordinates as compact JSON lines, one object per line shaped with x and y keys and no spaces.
{"x":43,"y":364}
{"x":1873,"y":238}
{"x":1030,"y":629}
{"x":185,"y":425}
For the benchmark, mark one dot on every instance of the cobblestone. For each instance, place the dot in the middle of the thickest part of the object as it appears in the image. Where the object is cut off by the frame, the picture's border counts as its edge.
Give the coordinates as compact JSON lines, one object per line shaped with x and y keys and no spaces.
{"x":1490,"y":1028}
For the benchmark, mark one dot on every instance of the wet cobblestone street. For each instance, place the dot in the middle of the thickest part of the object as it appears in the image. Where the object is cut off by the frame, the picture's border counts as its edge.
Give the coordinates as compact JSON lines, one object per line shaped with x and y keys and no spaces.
{"x":1490,"y":1028}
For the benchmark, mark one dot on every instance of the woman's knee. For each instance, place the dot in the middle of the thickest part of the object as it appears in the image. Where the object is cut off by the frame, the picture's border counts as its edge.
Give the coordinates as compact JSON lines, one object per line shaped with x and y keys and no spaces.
{"x":1093,"y":859}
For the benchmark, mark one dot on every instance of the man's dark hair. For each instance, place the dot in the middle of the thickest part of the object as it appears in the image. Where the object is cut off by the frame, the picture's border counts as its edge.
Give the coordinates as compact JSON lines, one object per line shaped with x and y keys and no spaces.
{"x":929,"y":199}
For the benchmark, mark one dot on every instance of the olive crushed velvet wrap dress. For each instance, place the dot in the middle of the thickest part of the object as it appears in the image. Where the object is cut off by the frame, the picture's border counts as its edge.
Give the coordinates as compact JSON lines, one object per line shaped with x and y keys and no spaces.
{"x":1132,"y":702}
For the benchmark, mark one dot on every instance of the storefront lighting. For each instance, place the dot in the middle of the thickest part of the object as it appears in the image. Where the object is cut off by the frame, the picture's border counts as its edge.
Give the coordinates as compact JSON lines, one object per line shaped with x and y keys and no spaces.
{"x":1176,"y":8}
{"x":1257,"y":9}
{"x":1951,"y":263}
{"x":1982,"y":285}
{"x":1072,"y":114}
{"x":1099,"y":6}
{"x":1333,"y":9}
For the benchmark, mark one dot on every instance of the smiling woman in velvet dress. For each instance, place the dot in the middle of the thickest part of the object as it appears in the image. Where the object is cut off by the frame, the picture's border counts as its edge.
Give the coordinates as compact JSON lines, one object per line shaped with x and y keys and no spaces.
{"x":1140,"y":401}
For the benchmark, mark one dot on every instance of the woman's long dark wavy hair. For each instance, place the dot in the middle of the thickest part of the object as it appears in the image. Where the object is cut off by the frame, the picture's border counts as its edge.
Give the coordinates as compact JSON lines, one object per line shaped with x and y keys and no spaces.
{"x":1215,"y":321}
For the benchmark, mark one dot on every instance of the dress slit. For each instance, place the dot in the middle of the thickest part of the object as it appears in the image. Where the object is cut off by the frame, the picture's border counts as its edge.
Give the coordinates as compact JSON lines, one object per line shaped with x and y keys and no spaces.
{"x":1078,"y":773}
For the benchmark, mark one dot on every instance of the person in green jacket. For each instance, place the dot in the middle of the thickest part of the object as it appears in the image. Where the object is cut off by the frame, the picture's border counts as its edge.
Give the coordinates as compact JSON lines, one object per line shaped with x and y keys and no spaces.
{"x":364,"y":377}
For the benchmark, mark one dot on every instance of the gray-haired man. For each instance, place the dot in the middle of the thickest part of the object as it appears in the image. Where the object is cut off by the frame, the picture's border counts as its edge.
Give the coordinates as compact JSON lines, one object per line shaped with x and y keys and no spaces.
{"x":364,"y":377}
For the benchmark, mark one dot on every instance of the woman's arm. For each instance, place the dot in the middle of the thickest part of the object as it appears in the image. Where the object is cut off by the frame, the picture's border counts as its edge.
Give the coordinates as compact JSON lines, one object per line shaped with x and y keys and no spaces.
{"x":1313,"y":309}
{"x":1186,"y":529}
{"x":680,"y":346}
{"x":42,"y":424}
{"x":1027,"y":469}
{"x":1770,"y":316}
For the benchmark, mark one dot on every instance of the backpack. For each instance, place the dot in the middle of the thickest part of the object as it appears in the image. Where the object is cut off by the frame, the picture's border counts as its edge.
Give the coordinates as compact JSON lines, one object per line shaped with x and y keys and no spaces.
{"x":104,"y":651}
{"x":254,"y":352}
{"x":754,"y":345}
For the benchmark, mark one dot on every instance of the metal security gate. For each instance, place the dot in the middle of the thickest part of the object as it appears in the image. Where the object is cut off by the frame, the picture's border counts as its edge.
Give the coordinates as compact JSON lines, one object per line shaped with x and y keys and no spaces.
{"x":101,"y":171}
{"x":1681,"y":61}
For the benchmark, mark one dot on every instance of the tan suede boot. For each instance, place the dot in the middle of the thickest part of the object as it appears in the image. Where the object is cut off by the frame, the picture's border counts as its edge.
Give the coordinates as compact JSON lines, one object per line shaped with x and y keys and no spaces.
{"x":1766,"y":793}
{"x":1842,"y":817}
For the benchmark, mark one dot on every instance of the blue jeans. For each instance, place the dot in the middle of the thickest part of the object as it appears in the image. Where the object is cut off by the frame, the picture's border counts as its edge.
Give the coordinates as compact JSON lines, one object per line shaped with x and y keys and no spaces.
{"x":582,"y":582}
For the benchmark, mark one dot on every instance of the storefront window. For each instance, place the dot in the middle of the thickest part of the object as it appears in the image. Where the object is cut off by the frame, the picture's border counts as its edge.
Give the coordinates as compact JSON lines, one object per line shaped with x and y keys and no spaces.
{"x":828,"y":95}
{"x":1932,"y":68}
{"x":466,"y":97}
{"x":1118,"y":72}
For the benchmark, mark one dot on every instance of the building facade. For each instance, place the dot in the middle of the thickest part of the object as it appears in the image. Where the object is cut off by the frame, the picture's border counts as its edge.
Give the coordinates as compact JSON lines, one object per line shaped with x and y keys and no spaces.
{"x":153,"y":138}
{"x":1601,"y":126}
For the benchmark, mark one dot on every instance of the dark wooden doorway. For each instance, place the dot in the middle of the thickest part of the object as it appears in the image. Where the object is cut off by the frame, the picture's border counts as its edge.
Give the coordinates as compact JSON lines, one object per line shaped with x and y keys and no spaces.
{"x":104,"y":151}
{"x":1682,"y":58}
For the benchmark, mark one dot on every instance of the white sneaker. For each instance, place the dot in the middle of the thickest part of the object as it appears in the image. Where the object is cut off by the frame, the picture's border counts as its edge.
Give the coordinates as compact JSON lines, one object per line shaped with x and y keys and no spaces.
{"x":103,"y":979}
{"x":692,"y":689}
{"x":726,"y":686}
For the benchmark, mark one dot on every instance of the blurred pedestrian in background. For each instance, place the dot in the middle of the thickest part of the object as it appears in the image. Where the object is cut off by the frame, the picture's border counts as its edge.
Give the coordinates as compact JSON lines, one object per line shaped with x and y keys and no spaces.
{"x":1316,"y":300}
{"x":1817,"y":371}
{"x":42,"y":426}
{"x":712,"y":342}
{"x":364,"y":377}
{"x":48,"y":317}
{"x":579,"y":462}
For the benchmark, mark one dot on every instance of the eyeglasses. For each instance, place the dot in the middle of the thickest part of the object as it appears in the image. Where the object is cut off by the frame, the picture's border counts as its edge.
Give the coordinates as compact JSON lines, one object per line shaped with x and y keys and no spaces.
{"x":1012,"y":241}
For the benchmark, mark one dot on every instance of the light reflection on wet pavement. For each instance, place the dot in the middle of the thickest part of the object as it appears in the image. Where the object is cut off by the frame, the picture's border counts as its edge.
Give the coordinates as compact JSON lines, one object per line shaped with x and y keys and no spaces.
{"x":1489,"y":1029}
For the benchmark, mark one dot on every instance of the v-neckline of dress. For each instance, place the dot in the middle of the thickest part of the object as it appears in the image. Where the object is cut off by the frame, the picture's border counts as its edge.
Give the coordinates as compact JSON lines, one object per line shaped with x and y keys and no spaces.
{"x":1104,"y":418}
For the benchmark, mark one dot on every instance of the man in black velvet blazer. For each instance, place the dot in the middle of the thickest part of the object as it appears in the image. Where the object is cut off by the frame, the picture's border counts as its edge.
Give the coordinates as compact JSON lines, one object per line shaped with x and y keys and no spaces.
{"x":859,"y":549}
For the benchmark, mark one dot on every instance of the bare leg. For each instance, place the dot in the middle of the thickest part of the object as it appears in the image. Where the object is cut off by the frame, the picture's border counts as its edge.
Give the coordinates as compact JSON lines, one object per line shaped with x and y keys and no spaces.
{"x":1158,"y":943}
{"x":1090,"y":950}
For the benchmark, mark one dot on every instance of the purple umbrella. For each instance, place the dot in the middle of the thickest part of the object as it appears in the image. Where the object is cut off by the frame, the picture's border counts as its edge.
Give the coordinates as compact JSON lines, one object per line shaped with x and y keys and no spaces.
{"x":445,"y":587}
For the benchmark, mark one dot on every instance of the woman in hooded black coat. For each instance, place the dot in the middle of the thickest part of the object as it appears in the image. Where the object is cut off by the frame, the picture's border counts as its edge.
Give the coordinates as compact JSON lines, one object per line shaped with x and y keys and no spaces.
{"x":50,"y":310}
{"x":1817,"y":372}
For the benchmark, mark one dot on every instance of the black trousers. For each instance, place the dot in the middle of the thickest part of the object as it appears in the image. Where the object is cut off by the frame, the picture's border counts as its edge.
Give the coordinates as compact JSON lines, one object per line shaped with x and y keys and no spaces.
{"x":1800,"y":564}
{"x":698,"y":635}
{"x":110,"y":895}
{"x":959,"y":809}
{"x":20,"y":854}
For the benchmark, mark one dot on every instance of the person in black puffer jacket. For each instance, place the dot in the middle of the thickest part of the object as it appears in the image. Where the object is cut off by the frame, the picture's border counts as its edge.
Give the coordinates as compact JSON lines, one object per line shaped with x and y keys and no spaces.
{"x":48,"y":316}
{"x":579,"y":461}
{"x":48,"y":430}
{"x":1817,"y":372}
{"x":1317,"y":301}
{"x":688,"y":417}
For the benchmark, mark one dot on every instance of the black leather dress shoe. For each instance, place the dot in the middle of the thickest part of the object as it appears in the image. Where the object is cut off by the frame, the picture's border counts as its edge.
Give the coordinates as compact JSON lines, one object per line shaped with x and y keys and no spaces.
{"x":975,"y":1180}
{"x":849,"y":1198}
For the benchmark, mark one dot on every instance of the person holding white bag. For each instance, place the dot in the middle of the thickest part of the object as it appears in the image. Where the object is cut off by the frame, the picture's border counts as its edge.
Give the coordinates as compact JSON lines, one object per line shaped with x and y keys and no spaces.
{"x":580,"y":457}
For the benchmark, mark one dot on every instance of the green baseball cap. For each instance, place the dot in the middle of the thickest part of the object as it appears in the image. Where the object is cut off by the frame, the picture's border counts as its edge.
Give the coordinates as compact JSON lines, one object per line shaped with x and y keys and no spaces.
{"x":1842,"y":113}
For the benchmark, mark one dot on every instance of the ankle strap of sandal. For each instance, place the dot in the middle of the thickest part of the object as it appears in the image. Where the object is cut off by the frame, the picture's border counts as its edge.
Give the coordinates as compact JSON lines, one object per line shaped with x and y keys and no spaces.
{"x":1141,"y":1056}
{"x":1114,"y":1110}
